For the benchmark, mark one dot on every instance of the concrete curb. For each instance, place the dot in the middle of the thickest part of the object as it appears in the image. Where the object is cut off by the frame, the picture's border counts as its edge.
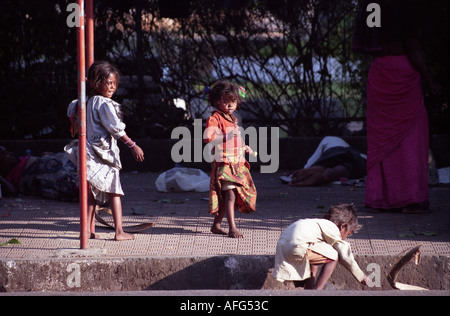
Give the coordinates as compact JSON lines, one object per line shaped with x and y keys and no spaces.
{"x":84,"y":273}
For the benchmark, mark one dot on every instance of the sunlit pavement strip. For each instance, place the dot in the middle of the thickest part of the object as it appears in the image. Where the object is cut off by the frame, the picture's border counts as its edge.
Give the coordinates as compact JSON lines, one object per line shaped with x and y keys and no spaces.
{"x":49,"y":229}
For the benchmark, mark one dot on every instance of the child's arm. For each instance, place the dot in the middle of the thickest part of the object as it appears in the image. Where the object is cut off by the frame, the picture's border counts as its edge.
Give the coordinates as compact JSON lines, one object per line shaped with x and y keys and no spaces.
{"x":249,"y":151}
{"x":348,"y":261}
{"x":116,"y":128}
{"x":332,"y":236}
{"x":110,"y":120}
{"x":137,"y":152}
{"x":212,"y":130}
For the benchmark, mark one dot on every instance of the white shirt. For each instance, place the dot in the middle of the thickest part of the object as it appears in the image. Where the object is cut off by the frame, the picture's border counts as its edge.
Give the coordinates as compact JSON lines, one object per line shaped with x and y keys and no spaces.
{"x":319,"y":235}
{"x":103,"y":127}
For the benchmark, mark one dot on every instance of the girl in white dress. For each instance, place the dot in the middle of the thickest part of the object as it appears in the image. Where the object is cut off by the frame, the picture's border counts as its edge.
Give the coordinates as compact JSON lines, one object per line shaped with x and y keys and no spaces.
{"x":104,"y":126}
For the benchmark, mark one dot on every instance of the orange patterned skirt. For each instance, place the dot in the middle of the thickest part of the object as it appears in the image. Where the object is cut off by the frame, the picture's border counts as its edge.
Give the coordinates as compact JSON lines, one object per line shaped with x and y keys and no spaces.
{"x":237,"y":174}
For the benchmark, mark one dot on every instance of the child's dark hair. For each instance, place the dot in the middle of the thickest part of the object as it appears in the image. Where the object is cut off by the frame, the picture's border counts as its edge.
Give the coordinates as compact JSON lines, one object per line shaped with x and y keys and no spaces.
{"x":343,"y":214}
{"x":224,"y":91}
{"x":98,"y":73}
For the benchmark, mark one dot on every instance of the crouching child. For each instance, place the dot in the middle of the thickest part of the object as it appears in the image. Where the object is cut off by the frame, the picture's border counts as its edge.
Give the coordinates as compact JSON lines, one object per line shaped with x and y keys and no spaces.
{"x":307,"y":244}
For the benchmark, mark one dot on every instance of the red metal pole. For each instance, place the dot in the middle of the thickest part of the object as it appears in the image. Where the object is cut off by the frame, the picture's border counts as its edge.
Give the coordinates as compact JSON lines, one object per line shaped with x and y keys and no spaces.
{"x":90,"y":32}
{"x":82,"y":129}
{"x":90,"y":46}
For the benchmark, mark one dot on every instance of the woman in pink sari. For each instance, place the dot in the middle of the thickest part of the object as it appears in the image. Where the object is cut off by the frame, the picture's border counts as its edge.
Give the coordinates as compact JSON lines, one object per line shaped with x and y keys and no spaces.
{"x":397,"y":121}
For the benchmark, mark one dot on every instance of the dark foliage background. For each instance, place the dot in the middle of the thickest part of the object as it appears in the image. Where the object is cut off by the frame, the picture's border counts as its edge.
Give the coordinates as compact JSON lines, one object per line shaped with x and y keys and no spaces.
{"x":293,"y":57}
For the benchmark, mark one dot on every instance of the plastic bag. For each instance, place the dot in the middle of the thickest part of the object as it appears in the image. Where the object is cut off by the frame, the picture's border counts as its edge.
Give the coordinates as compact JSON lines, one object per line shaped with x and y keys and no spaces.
{"x":180,"y":179}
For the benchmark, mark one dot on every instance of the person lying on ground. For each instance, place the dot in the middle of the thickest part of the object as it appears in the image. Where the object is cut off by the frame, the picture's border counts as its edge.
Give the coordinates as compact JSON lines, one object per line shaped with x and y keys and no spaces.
{"x":333,"y":159}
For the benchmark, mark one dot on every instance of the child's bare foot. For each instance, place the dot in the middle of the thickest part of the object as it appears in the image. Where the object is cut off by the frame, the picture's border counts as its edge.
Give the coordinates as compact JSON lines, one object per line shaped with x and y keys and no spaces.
{"x":234,"y":233}
{"x":123,"y":236}
{"x":92,"y":235}
{"x":216,"y":229}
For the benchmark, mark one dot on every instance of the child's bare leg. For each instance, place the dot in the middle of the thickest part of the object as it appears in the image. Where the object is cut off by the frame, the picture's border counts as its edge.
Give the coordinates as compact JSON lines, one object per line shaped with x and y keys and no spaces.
{"x":325,"y":274}
{"x":216,"y":227}
{"x":91,"y":214}
{"x":229,"y":202}
{"x":311,"y":282}
{"x":116,"y":208}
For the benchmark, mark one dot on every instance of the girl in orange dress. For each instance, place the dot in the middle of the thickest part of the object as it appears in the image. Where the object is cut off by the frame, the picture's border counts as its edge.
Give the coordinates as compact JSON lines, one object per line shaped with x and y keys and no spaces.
{"x":231,"y":183}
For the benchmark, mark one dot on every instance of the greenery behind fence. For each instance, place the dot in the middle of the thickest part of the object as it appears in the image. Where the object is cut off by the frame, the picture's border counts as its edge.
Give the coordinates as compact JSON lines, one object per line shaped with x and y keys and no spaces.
{"x":293,"y":57}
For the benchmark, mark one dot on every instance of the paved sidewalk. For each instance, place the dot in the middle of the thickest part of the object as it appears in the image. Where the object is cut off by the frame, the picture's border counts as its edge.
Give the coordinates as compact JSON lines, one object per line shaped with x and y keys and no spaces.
{"x":49,"y":229}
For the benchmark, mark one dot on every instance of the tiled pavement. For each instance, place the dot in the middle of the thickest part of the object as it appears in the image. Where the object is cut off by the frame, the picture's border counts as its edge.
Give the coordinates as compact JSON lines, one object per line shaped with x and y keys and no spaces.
{"x":49,"y":229}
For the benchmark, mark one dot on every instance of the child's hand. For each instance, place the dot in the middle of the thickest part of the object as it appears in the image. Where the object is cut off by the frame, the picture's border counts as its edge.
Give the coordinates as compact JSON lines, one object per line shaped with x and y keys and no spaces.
{"x":249,"y":151}
{"x":365,"y":281}
{"x":138,"y":153}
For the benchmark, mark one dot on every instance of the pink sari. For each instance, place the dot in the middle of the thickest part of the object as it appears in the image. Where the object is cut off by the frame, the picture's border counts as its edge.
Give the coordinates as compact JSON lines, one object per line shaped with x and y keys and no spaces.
{"x":397,"y":135}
